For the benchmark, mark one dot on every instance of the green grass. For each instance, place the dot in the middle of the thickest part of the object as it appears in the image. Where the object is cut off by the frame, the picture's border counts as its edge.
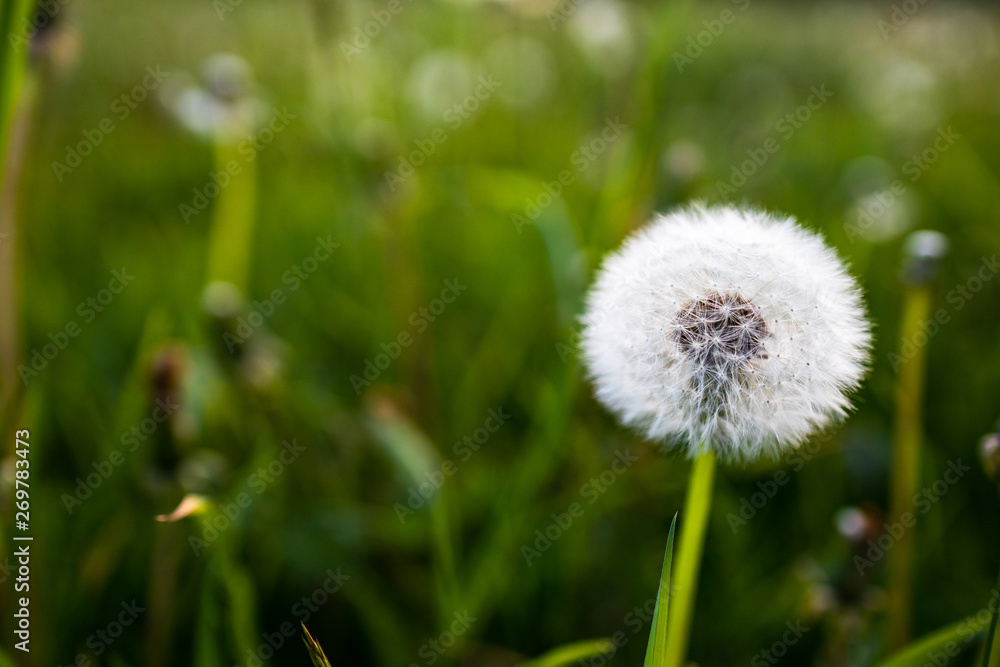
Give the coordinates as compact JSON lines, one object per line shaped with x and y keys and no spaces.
{"x":507,"y":341}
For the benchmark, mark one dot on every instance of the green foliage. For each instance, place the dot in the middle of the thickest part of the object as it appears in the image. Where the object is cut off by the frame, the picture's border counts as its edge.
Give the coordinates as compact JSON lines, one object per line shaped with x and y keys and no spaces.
{"x":509,"y":542}
{"x":656,"y":649}
{"x":315,"y":650}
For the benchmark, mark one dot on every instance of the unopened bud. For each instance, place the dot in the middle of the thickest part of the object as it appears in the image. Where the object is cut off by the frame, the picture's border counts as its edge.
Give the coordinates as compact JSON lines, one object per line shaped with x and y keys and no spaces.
{"x":989,"y":453}
{"x":923,"y":251}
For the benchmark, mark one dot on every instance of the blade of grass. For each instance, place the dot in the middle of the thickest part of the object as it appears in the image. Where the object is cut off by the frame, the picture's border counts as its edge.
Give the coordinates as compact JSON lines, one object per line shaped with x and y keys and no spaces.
{"x":315,"y":650}
{"x":12,"y":60}
{"x":656,"y":650}
{"x":991,"y":647}
{"x":208,"y":628}
{"x":916,"y":654}
{"x":413,"y":452}
{"x":565,"y":655}
{"x":18,"y":96}
{"x":238,"y":590}
{"x":444,"y":563}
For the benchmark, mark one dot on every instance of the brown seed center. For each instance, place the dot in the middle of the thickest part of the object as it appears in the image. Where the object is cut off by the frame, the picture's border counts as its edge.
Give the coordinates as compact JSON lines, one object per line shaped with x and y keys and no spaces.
{"x":721,"y":332}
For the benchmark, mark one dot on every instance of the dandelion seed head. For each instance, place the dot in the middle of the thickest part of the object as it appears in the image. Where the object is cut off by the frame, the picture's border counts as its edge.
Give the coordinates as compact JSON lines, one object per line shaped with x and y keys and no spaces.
{"x":725,"y":328}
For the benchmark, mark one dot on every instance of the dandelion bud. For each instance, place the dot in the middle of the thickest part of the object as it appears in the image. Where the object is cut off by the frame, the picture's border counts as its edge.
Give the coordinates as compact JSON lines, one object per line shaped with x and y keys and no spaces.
{"x":853,"y":524}
{"x":225,"y":307}
{"x":923,"y":251}
{"x":166,"y":376}
{"x":223,"y":105}
{"x":989,"y":453}
{"x":727,"y":329}
{"x":222,"y":300}
{"x":227,"y":76}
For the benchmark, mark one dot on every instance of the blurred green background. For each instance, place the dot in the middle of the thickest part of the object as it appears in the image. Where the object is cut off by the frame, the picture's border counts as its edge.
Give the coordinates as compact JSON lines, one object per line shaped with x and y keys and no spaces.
{"x":685,"y":93}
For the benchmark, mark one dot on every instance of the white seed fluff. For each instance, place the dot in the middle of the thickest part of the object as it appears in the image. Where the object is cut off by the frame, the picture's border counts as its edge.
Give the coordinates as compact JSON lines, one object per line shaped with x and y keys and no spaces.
{"x":725,"y":328}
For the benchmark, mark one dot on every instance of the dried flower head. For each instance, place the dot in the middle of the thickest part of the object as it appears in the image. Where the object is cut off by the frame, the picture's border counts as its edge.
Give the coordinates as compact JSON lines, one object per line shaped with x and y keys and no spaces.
{"x":728,"y":329}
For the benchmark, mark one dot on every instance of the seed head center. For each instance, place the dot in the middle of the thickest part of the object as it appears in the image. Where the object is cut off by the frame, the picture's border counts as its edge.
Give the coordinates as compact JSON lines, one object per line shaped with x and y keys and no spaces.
{"x":723,"y":332}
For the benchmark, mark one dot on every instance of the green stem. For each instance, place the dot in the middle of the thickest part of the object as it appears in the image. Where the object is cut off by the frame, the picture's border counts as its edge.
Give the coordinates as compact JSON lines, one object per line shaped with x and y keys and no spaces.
{"x":685,"y":585}
{"x":13,"y":57}
{"x":230,"y":239}
{"x":991,"y":646}
{"x":906,"y":464}
{"x":17,"y":97}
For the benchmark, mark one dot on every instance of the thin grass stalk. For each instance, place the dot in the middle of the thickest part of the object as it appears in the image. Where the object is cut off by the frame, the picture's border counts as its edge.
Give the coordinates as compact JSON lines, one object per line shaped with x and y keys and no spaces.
{"x":316,"y":654}
{"x":444,"y":560}
{"x":13,"y":14}
{"x":906,"y":465}
{"x":577,"y":652}
{"x":991,"y":646}
{"x":692,"y":540}
{"x":17,"y":95}
{"x":11,"y":165}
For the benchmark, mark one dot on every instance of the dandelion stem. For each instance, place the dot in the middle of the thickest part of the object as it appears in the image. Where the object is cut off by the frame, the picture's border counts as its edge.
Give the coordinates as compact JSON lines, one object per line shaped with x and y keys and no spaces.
{"x":906,"y":462}
{"x":231,"y":236}
{"x":684,"y":586}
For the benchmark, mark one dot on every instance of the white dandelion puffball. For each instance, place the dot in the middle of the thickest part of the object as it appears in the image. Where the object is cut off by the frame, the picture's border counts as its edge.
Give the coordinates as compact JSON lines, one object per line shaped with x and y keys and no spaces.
{"x":728,"y":329}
